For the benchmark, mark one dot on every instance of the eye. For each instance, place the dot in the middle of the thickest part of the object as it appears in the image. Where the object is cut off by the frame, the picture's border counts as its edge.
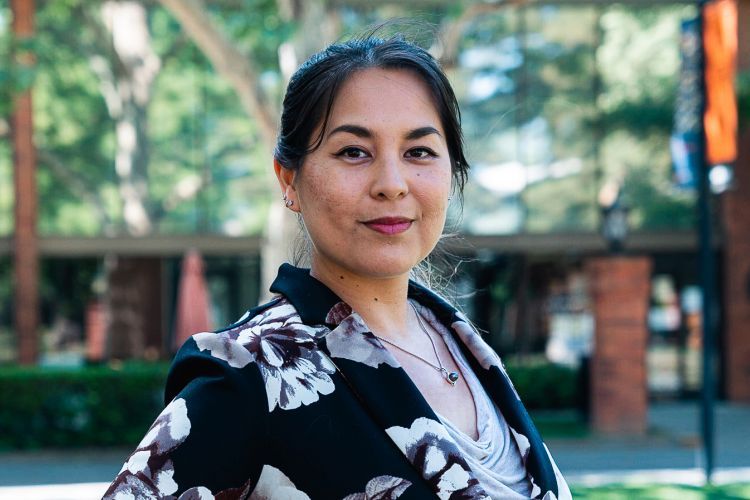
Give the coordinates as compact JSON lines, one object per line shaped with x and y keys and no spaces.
{"x":352,"y":153}
{"x":421,"y":153}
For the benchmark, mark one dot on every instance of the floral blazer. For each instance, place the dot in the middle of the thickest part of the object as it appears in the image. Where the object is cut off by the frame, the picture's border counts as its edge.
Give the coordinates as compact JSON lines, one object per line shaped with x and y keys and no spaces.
{"x":299,"y":400}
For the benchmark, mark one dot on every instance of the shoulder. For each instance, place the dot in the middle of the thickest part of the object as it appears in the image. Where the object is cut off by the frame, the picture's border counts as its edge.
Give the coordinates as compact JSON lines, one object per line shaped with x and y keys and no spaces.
{"x":268,"y":346}
{"x":241,"y":343}
{"x":238,"y":344}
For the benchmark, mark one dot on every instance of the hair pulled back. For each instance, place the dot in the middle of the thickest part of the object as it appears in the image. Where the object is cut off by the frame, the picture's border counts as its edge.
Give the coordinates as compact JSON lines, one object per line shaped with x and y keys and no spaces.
{"x":314,"y":86}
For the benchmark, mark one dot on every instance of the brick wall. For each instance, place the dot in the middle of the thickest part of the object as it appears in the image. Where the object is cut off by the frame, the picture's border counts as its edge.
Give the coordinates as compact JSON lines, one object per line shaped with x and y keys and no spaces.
{"x":736,"y":218}
{"x":620,"y":289}
{"x":736,"y":222}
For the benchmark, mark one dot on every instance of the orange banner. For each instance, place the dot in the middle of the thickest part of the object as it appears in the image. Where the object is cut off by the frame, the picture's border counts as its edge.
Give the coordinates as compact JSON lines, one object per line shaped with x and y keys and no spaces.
{"x":720,"y":46}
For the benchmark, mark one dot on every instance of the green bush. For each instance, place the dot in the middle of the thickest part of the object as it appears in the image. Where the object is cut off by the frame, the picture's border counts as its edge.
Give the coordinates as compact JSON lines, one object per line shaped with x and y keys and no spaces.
{"x":546,"y":386}
{"x":114,"y":405}
{"x":77,"y":407}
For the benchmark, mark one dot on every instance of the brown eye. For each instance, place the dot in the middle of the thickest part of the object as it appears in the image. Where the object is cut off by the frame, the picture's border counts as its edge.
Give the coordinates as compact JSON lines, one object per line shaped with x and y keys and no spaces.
{"x":421,"y":153}
{"x":352,"y":153}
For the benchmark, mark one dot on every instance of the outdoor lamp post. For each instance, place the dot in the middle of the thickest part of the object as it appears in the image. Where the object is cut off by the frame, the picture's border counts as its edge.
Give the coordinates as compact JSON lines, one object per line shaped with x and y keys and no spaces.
{"x":614,"y":216}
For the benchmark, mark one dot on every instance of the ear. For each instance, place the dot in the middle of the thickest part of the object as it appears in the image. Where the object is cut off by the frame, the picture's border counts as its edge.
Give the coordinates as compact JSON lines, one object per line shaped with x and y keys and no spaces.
{"x":286,"y":177}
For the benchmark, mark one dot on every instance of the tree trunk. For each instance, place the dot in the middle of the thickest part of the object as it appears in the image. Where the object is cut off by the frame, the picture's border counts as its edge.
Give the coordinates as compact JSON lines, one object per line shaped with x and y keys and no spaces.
{"x":134,"y":308}
{"x":134,"y":285}
{"x":127,"y":87}
{"x":26,"y":248}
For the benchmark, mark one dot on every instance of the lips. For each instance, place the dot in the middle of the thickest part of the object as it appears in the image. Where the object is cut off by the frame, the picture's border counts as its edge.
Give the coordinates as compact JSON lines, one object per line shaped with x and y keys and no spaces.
{"x":389,"y":225}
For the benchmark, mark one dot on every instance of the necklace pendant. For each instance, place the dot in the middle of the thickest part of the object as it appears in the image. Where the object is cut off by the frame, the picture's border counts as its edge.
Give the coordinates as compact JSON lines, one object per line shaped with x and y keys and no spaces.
{"x":452,"y":378}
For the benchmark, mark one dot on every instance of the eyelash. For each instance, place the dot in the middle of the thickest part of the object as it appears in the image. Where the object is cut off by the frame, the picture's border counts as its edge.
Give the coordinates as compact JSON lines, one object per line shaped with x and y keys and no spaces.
{"x":429,"y":153}
{"x":345,"y":151}
{"x":349,"y":149}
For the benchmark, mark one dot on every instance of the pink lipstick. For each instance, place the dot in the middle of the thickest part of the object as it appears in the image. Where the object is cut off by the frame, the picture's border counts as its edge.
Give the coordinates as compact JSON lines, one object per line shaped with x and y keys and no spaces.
{"x":389,"y":225}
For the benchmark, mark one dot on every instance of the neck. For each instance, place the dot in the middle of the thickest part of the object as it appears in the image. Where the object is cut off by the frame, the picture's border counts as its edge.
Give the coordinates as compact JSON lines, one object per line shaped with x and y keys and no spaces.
{"x":381,"y":302}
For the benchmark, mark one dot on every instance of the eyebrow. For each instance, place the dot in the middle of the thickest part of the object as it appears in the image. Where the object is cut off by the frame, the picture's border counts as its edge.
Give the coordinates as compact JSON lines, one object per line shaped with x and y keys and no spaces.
{"x":418,"y":133}
{"x":363,"y":132}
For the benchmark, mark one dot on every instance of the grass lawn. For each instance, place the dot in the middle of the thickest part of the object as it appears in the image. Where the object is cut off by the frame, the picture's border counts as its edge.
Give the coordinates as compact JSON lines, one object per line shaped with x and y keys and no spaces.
{"x":664,"y":492}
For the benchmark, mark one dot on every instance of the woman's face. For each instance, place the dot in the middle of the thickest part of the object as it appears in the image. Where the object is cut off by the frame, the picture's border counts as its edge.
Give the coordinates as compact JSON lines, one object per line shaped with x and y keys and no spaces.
{"x":374,"y":195}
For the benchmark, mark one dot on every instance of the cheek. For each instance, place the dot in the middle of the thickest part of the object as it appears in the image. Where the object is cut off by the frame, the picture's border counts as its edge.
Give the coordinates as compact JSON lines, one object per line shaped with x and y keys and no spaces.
{"x":434,"y":206}
{"x":435,"y":192}
{"x":322,"y":196}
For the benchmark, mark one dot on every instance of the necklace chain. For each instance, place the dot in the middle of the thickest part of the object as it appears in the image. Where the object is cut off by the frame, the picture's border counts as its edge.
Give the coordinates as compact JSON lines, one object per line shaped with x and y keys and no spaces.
{"x":450,"y":377}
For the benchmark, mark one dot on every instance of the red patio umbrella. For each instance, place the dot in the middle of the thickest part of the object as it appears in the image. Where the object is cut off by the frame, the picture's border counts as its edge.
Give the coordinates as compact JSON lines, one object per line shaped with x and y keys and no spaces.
{"x":193,"y":305}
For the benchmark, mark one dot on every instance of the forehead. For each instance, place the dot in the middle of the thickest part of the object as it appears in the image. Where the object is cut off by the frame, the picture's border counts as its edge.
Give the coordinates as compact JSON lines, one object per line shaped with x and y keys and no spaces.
{"x":385,"y":97}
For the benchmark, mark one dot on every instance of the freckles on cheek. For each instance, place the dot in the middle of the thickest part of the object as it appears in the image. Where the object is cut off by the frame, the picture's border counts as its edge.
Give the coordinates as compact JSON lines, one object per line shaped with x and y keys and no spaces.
{"x":312,"y":187}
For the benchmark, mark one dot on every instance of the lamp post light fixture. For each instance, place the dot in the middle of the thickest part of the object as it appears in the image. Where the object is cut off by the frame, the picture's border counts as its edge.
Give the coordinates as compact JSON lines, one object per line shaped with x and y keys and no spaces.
{"x":614,"y":216}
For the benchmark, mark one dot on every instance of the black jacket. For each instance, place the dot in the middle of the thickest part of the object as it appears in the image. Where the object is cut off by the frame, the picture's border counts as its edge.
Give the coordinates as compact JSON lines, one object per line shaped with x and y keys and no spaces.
{"x":299,"y":400}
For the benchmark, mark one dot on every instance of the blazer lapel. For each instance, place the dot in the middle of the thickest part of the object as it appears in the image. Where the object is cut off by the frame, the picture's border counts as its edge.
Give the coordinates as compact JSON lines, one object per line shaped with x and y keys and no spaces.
{"x":384,"y":388}
{"x":491,"y":373}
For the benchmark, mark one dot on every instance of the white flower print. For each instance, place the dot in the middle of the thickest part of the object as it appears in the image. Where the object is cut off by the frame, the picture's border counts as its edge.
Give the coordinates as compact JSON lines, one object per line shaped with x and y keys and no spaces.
{"x":197,"y":493}
{"x":536,"y":491}
{"x":382,"y":488}
{"x":453,"y":480}
{"x":484,"y":354}
{"x":243,"y":317}
{"x":275,"y":485}
{"x":562,"y":487}
{"x":338,"y":313}
{"x":523,"y":444}
{"x":352,"y":340}
{"x":223,"y":346}
{"x":148,"y":472}
{"x":428,"y":447}
{"x":295,"y":371}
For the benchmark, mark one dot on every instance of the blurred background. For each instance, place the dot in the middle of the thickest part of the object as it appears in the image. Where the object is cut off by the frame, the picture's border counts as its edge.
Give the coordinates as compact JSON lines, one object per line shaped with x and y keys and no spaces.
{"x":138,"y":206}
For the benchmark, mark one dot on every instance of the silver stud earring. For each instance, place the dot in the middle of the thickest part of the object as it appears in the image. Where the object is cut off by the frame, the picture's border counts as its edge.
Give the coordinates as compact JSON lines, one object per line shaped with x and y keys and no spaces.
{"x":289,"y":203}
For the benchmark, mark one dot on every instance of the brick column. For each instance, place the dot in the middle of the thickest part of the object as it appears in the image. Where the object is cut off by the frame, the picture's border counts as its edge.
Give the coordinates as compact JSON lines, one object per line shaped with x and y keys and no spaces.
{"x":620,"y":289}
{"x":736,"y":219}
{"x":96,"y":331}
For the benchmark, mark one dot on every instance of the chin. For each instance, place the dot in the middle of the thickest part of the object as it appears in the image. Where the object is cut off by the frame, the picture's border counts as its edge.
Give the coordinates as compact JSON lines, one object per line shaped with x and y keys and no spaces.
{"x":372,"y":261}
{"x":384,"y":268}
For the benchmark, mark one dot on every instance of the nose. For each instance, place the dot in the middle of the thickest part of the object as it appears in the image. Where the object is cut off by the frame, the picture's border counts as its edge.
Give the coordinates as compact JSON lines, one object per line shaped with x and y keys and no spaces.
{"x":390,"y":180}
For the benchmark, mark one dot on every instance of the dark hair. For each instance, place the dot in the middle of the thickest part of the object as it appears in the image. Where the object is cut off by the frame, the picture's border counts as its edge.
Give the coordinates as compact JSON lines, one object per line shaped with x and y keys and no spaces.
{"x":313,"y":88}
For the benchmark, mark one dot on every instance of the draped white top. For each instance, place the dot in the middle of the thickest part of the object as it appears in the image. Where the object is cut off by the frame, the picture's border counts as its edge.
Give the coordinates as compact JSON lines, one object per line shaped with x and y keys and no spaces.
{"x":494,"y":457}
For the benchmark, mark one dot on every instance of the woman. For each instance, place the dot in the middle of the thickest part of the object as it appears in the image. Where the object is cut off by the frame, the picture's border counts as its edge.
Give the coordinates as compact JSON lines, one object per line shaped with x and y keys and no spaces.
{"x":354,"y":382}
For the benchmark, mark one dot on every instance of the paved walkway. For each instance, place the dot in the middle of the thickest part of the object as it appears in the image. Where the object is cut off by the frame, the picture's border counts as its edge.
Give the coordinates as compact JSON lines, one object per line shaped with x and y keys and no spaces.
{"x":670,"y":453}
{"x":673,"y":442}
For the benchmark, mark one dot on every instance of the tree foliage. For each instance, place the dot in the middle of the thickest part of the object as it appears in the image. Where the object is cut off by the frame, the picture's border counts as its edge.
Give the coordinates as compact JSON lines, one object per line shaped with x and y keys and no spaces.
{"x":574,"y":108}
{"x":569,"y":107}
